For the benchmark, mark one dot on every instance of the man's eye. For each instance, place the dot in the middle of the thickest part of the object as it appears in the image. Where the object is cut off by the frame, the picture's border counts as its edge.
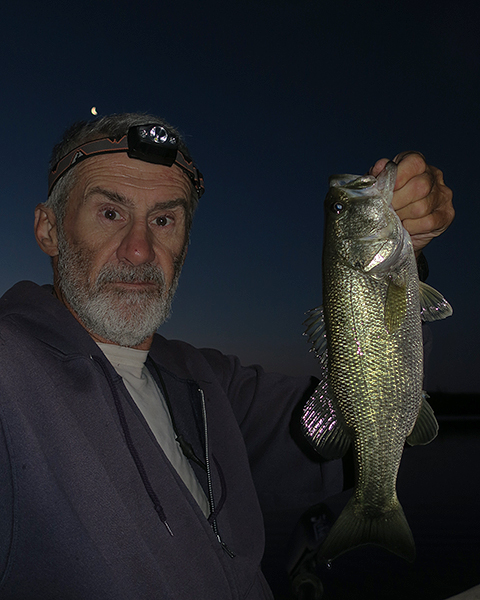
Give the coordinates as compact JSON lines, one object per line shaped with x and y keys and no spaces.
{"x":110,"y":214}
{"x":163,"y":221}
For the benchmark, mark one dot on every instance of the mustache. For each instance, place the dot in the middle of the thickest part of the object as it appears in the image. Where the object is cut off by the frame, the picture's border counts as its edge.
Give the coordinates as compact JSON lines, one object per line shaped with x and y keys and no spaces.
{"x":130,"y":274}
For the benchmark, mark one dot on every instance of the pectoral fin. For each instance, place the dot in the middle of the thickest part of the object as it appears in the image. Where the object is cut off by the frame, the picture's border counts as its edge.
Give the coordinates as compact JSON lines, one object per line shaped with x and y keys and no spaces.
{"x":321,"y":425}
{"x":426,"y":426}
{"x":433,"y":305}
{"x":395,"y":305}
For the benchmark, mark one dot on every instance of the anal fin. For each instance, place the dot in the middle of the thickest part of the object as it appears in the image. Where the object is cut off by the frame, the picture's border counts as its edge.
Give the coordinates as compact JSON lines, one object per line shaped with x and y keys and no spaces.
{"x":426,"y":426}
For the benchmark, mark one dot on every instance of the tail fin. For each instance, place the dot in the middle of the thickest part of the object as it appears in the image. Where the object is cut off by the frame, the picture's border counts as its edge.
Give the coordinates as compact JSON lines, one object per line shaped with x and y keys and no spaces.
{"x":354,"y":528}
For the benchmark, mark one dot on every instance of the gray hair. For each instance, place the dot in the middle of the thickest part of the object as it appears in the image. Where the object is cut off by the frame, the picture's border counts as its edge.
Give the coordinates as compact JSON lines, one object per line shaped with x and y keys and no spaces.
{"x":109,"y":126}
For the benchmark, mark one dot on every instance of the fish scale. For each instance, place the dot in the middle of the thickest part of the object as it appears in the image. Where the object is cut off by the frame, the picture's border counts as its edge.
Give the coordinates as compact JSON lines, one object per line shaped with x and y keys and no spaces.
{"x":368,"y":337}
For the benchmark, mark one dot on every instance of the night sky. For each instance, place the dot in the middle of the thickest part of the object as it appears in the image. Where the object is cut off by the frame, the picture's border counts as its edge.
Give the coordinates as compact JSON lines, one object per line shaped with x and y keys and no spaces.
{"x":273,"y":96}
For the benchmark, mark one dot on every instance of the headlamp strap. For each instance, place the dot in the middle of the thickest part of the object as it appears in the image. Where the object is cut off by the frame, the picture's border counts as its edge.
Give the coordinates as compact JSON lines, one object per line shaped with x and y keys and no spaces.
{"x":111,"y":145}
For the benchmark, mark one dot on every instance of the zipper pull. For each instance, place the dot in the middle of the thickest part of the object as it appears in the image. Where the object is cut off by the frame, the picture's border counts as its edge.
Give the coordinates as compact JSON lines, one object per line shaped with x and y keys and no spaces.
{"x":225,"y":547}
{"x":188,"y":451}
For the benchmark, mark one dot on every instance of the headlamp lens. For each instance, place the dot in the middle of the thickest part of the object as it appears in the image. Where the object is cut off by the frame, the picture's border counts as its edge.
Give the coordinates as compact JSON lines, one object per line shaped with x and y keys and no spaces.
{"x":152,"y":143}
{"x":157,"y":134}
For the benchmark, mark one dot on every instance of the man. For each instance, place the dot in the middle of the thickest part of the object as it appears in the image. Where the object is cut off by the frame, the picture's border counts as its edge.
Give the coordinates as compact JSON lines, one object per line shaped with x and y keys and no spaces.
{"x":132,"y":466}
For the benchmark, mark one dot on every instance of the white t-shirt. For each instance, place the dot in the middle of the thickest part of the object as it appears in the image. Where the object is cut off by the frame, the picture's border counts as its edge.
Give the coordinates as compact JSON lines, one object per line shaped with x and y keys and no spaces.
{"x":130,"y":365}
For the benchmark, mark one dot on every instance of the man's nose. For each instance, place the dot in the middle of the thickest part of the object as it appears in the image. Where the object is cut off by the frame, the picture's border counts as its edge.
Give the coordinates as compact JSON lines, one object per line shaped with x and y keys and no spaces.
{"x":136,"y":247}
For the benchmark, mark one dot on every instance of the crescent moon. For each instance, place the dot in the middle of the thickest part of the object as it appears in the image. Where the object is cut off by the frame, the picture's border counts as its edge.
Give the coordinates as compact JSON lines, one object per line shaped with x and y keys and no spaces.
{"x":93,"y":110}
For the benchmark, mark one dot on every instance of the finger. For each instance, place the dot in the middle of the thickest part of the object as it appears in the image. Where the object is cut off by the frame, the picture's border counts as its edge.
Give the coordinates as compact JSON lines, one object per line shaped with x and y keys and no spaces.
{"x":437,"y":203}
{"x":414,"y":191}
{"x":413,"y":163}
{"x":432,"y":222}
{"x":378,"y":167}
{"x":410,"y":164}
{"x":401,"y":155}
{"x":422,"y":231}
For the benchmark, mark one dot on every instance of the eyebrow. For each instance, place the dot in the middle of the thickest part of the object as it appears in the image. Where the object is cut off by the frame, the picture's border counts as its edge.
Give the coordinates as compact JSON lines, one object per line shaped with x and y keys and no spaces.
{"x":125,"y":201}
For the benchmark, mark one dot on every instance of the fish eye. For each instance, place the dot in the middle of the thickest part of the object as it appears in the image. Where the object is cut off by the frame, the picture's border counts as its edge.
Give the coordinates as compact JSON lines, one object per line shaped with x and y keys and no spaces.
{"x":337,"y":207}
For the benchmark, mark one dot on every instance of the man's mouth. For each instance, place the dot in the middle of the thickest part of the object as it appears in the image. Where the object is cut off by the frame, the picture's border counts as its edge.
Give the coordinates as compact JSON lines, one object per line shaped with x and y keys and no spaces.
{"x":136,"y":282}
{"x":135,"y":285}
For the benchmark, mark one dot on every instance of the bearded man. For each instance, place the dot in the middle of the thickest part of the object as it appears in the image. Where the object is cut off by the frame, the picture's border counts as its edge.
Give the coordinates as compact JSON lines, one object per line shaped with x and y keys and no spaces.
{"x":136,"y":467}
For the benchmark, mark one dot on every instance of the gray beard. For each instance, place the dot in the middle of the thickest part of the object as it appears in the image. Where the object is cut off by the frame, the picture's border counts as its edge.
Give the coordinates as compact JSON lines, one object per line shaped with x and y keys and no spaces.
{"x":123,"y":317}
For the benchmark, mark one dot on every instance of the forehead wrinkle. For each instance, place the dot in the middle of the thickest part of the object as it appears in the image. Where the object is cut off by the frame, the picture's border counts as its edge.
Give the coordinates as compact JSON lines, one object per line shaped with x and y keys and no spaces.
{"x":111,"y":195}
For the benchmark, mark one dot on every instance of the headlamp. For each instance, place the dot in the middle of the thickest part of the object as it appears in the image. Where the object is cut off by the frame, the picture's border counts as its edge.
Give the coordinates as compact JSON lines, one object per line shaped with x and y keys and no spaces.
{"x":151,"y":143}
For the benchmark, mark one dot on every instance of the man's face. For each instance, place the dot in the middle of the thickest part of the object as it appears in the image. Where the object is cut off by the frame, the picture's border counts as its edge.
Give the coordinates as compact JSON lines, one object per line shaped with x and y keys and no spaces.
{"x":122,"y":247}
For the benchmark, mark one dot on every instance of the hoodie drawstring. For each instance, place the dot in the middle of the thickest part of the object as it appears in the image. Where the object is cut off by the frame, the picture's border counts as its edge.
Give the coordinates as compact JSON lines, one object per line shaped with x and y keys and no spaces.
{"x":131,"y":447}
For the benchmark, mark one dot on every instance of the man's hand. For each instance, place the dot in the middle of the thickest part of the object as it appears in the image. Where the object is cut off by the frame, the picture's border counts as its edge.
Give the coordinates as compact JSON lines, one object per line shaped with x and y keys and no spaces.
{"x":421,"y":199}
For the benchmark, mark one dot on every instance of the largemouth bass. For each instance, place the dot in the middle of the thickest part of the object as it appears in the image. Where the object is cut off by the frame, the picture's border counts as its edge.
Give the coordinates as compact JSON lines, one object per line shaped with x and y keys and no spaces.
{"x":368,"y":336}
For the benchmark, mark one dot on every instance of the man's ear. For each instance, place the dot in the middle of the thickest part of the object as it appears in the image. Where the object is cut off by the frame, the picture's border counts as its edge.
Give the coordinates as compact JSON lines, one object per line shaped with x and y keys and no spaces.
{"x":46,"y":229}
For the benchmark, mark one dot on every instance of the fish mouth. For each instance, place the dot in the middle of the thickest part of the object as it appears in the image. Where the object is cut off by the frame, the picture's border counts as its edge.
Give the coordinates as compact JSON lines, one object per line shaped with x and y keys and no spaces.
{"x":353,"y":183}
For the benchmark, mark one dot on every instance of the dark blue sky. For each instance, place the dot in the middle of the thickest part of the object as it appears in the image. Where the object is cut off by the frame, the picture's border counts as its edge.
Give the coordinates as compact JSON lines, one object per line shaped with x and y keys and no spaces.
{"x":273,"y":97}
